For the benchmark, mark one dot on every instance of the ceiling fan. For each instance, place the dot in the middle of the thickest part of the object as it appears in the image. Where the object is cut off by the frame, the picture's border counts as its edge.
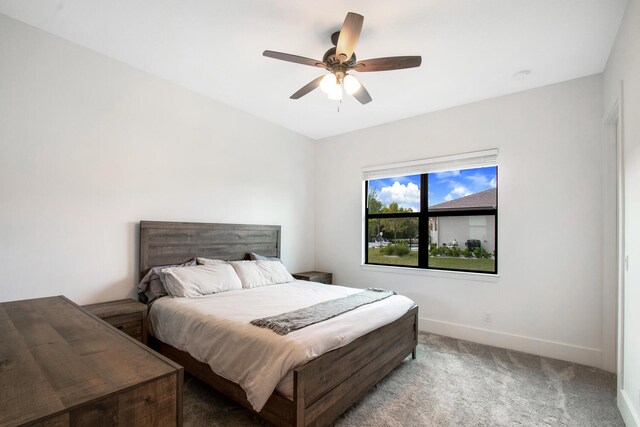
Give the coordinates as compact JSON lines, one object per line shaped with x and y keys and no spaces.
{"x":341,"y":59}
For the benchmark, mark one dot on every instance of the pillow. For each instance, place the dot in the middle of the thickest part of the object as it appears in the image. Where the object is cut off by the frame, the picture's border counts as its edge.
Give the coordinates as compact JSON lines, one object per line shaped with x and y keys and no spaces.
{"x":200,"y":280}
{"x":261,"y":273}
{"x":151,"y":287}
{"x":257,"y":257}
{"x":210,"y":261}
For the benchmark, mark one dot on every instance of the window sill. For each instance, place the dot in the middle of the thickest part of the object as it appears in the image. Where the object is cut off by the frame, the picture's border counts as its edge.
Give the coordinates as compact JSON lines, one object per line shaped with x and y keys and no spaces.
{"x":458,"y":275}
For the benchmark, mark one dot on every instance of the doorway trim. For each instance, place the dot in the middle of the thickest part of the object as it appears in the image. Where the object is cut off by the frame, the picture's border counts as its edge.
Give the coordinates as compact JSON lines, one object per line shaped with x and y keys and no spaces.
{"x":614,"y":139}
{"x":613,"y":242}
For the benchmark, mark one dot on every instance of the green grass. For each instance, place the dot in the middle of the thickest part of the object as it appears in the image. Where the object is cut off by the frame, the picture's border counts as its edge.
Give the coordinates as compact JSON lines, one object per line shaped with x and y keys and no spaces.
{"x":462,"y":263}
{"x":411,"y":259}
{"x":375,"y":257}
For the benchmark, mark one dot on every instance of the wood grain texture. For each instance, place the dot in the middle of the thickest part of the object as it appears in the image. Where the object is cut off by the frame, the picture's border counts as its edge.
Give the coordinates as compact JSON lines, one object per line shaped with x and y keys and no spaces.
{"x":126,"y":315}
{"x":324,"y":387}
{"x":315,"y":276}
{"x":313,"y":84}
{"x":151,"y":404}
{"x":165,"y":243}
{"x":278,"y":409}
{"x":293,"y":58}
{"x":61,"y":420}
{"x":388,"y":63}
{"x":115,"y":308}
{"x":60,"y":365}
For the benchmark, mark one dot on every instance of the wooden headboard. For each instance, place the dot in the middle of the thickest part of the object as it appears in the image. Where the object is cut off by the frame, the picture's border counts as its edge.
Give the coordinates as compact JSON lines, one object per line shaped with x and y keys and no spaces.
{"x":163,"y":243}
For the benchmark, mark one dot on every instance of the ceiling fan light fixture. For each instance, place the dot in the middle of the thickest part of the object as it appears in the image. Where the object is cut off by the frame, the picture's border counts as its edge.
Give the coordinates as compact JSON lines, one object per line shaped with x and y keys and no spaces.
{"x":335,"y":92}
{"x":328,"y":82}
{"x":351,"y":84}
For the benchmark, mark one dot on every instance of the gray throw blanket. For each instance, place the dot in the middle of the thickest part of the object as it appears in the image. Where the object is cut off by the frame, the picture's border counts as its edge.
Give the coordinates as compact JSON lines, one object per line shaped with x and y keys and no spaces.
{"x":298,"y":319}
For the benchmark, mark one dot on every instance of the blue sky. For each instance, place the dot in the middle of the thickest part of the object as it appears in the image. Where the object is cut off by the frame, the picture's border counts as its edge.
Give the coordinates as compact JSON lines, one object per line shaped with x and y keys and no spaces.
{"x":443,"y":186}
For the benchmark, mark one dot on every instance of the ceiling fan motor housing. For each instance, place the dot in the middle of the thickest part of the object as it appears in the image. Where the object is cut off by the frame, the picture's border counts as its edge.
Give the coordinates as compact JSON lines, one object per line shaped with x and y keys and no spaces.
{"x":335,"y":66}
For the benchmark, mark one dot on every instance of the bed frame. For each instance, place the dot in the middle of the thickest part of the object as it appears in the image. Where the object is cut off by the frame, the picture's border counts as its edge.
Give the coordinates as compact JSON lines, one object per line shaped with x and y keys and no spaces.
{"x":324,"y":387}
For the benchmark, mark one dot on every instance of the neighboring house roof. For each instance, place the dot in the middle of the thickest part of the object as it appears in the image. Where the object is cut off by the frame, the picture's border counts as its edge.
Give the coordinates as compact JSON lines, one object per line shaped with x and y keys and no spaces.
{"x":486,"y":199}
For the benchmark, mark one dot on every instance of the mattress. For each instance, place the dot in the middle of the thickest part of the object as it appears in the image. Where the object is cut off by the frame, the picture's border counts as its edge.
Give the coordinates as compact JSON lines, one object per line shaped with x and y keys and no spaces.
{"x":215,"y":329}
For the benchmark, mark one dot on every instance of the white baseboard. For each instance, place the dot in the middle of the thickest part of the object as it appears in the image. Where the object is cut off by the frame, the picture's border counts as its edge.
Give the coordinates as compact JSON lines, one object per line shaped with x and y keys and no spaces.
{"x":556,"y":350}
{"x":629,"y":415}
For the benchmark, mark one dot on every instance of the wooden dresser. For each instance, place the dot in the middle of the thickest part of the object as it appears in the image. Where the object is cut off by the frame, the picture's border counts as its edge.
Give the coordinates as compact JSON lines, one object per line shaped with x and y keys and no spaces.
{"x":61,"y":366}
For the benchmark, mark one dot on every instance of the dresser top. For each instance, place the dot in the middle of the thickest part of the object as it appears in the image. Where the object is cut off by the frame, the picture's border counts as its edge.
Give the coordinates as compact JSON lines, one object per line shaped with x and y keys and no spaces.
{"x":54,"y":356}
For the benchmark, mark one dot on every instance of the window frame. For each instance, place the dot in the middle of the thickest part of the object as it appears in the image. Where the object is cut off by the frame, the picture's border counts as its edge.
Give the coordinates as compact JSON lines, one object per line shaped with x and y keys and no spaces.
{"x":423,"y":218}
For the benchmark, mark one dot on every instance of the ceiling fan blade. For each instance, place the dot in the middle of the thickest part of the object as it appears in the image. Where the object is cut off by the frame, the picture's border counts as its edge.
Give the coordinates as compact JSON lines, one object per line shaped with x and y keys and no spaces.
{"x":294,"y":58}
{"x":349,"y":35}
{"x":362,"y":95}
{"x":313,"y":84}
{"x":389,"y":63}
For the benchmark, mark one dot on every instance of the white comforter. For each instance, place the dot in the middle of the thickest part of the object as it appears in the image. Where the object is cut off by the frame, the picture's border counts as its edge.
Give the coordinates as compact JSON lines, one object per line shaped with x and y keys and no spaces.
{"x":215,"y":330}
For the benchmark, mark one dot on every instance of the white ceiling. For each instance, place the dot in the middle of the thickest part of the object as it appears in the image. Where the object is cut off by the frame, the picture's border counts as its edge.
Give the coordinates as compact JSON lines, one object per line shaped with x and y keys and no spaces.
{"x":470,"y":49}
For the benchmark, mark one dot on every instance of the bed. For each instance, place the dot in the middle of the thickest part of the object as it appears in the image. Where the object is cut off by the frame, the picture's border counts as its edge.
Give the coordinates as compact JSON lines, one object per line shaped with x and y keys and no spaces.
{"x":322,"y":388}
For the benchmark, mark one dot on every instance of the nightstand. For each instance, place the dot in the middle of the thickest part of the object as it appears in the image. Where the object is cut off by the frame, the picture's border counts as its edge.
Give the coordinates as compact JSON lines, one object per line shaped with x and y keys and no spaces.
{"x":315,"y":276}
{"x":126,"y":315}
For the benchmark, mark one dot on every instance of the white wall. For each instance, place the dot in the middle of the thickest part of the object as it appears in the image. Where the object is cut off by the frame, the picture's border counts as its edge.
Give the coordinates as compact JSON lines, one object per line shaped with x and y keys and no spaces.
{"x":624,"y":66}
{"x":90,"y":146}
{"x":548,"y":296}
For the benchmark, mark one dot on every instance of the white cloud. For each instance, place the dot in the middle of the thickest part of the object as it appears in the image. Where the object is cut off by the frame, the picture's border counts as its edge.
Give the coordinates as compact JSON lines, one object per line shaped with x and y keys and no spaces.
{"x":460,"y":190}
{"x":481,"y":182}
{"x":457,"y":192}
{"x":478,"y":180}
{"x":447,"y":174}
{"x":404,"y":195}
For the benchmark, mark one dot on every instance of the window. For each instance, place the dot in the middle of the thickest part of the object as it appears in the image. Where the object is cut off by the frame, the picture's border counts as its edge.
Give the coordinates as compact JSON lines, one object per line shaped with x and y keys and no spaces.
{"x":444,"y":218}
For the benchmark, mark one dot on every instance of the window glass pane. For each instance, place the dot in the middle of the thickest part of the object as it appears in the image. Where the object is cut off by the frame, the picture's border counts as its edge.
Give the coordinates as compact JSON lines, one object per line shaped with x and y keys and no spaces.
{"x":393,"y":195}
{"x":462,"y":242}
{"x":463,"y":189}
{"x":393,"y":241}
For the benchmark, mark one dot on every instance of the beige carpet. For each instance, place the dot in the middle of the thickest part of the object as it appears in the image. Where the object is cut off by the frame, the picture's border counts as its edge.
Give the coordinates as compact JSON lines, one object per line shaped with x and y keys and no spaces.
{"x":454,"y":383}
